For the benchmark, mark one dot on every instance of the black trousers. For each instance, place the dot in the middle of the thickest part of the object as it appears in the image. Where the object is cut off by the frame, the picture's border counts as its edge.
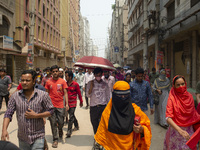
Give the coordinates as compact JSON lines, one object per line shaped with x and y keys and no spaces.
{"x":72,"y":119}
{"x":6,"y":99}
{"x":86,"y":98}
{"x":95,"y":116}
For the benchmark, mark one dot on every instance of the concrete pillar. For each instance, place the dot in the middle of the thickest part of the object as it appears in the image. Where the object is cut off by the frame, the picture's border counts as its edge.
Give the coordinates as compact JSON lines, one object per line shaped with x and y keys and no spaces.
{"x":194,"y":58}
{"x":172,"y":61}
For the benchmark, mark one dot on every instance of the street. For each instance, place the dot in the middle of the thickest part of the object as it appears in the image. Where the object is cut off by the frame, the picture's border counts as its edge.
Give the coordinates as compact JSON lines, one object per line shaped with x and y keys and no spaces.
{"x":83,"y":138}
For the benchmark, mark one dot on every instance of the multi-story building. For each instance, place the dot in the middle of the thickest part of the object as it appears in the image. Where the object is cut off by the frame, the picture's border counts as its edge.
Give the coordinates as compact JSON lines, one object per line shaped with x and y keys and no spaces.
{"x":180,"y":38}
{"x":74,"y":12}
{"x":65,"y":33}
{"x":86,"y":35}
{"x":117,"y":33}
{"x":165,"y":32}
{"x":9,"y":50}
{"x":46,"y":31}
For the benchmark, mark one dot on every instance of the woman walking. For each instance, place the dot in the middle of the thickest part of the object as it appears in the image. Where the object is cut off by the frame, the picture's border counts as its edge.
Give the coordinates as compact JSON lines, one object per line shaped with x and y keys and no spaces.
{"x":161,"y":91}
{"x":181,"y":116}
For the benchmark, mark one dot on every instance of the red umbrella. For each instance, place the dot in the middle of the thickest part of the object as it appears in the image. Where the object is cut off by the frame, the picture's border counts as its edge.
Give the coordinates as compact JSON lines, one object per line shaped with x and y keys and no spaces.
{"x":91,"y":62}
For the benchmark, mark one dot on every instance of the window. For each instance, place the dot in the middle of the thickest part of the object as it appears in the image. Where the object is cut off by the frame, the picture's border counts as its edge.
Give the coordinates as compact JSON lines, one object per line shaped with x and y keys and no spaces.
{"x":54,"y":20}
{"x":39,"y":9}
{"x":171,"y":12}
{"x":4,"y":28}
{"x":26,"y":35}
{"x":39,"y":32}
{"x":43,"y":10}
{"x":27,"y":8}
{"x":194,"y":2}
{"x":178,"y":2}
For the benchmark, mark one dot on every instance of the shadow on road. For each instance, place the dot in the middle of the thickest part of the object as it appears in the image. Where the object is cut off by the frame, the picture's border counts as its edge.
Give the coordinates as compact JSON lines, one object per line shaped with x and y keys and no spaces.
{"x":80,"y":140}
{"x":2,"y":112}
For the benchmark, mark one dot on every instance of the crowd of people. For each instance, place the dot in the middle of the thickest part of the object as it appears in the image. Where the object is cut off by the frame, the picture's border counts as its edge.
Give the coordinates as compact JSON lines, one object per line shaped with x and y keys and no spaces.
{"x":118,"y":103}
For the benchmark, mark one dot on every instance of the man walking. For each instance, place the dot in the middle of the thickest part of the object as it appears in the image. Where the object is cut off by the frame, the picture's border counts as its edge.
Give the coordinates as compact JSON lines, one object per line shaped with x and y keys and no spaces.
{"x":73,"y":90}
{"x":47,"y":77}
{"x":88,"y":77}
{"x":57,"y":88}
{"x":31,"y":106}
{"x":141,"y":91}
{"x":79,"y":79}
{"x":153,"y":75}
{"x":5,"y":86}
{"x":99,"y":94}
{"x":110,"y":80}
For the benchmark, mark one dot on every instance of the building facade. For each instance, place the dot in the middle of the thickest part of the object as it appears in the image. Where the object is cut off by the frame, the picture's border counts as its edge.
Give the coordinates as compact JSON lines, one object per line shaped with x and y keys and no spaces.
{"x":165,"y":32}
{"x":9,"y":49}
{"x":74,"y":18}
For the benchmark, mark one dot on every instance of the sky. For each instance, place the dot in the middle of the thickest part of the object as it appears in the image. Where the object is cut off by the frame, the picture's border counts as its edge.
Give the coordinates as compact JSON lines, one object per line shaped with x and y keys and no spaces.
{"x":99,"y":15}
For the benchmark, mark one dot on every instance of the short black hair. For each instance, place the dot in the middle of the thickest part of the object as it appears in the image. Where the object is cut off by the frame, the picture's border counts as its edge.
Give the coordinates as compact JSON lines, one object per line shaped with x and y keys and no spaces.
{"x":2,"y":70}
{"x":153,"y":69}
{"x":139,"y":70}
{"x":70,"y":73}
{"x":128,"y":74}
{"x":54,"y":67}
{"x":37,"y":69}
{"x":97,"y":70}
{"x":178,"y":77}
{"x":48,"y":68}
{"x":32,"y":72}
{"x":105,"y":71}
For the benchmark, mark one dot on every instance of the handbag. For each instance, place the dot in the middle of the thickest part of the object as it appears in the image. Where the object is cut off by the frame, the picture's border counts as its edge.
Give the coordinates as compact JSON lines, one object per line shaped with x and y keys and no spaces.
{"x":156,"y":97}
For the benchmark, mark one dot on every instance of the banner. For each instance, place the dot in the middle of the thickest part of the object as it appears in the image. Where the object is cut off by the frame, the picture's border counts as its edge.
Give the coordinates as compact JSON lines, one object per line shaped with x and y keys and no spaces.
{"x":7,"y":42}
{"x":160,"y":57}
{"x":30,"y":55}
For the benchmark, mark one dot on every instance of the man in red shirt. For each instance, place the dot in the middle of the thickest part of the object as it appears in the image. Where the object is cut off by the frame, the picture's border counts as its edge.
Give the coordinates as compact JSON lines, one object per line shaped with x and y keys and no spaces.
{"x":73,"y":90}
{"x":57,"y":88}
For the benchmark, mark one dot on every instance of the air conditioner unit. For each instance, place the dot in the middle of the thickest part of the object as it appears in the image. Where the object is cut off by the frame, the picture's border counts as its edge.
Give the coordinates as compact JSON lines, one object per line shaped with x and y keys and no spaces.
{"x":41,"y":53}
{"x":52,"y":56}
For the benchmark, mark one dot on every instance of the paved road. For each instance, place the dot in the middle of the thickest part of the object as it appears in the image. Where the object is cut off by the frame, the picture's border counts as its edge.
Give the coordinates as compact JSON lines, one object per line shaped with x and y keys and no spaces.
{"x":83,"y":138}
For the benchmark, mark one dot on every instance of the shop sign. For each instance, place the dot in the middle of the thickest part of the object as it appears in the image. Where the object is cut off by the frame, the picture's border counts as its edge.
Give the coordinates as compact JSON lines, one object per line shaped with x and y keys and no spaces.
{"x":7,"y":42}
{"x":160,"y":57}
{"x":30,"y":55}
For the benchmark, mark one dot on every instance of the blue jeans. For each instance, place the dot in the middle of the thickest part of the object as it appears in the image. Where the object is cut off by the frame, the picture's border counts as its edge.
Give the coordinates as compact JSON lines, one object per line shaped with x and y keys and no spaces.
{"x":37,"y":145}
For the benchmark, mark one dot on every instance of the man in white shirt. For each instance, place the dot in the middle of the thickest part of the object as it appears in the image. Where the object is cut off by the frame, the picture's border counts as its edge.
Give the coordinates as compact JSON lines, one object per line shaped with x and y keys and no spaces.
{"x":88,"y":77}
{"x":79,"y":79}
{"x":110,"y":80}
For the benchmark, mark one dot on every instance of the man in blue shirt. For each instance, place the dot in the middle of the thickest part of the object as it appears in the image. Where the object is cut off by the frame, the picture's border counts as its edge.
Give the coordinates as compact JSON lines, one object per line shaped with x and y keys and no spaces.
{"x":141,"y":91}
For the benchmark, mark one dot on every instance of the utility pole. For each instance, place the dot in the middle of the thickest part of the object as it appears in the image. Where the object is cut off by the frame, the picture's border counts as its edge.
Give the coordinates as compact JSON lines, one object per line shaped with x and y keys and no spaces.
{"x":157,"y":33}
{"x":145,"y":48}
{"x":32,"y":15}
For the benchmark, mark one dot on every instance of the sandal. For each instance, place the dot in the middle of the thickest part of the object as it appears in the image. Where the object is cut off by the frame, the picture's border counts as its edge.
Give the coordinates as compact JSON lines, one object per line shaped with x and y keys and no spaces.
{"x":55,"y":144}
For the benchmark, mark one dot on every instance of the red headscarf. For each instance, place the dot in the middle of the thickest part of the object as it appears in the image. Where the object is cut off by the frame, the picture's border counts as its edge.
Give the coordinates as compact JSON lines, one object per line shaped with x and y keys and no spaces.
{"x":181,"y":108}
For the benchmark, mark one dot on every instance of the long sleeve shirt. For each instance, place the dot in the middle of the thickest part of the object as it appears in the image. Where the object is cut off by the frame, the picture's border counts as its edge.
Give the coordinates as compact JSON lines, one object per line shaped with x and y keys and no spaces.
{"x":88,"y":77}
{"x":110,"y":81}
{"x":29,"y":130}
{"x":140,"y":93}
{"x":100,"y":93}
{"x":73,"y":90}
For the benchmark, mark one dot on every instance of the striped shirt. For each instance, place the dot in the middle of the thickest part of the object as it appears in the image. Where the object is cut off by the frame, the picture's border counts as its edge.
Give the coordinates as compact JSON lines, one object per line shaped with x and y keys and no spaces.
{"x":29,"y":129}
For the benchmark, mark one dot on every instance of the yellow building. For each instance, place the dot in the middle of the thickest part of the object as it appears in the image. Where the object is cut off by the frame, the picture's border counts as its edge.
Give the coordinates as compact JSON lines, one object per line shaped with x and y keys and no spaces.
{"x":46,"y":31}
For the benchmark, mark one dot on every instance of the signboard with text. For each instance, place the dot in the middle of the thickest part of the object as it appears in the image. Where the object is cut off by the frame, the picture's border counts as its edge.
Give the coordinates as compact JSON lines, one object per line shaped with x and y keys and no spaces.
{"x":7,"y":43}
{"x":116,"y":49}
{"x":76,"y":52}
{"x":160,"y":57}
